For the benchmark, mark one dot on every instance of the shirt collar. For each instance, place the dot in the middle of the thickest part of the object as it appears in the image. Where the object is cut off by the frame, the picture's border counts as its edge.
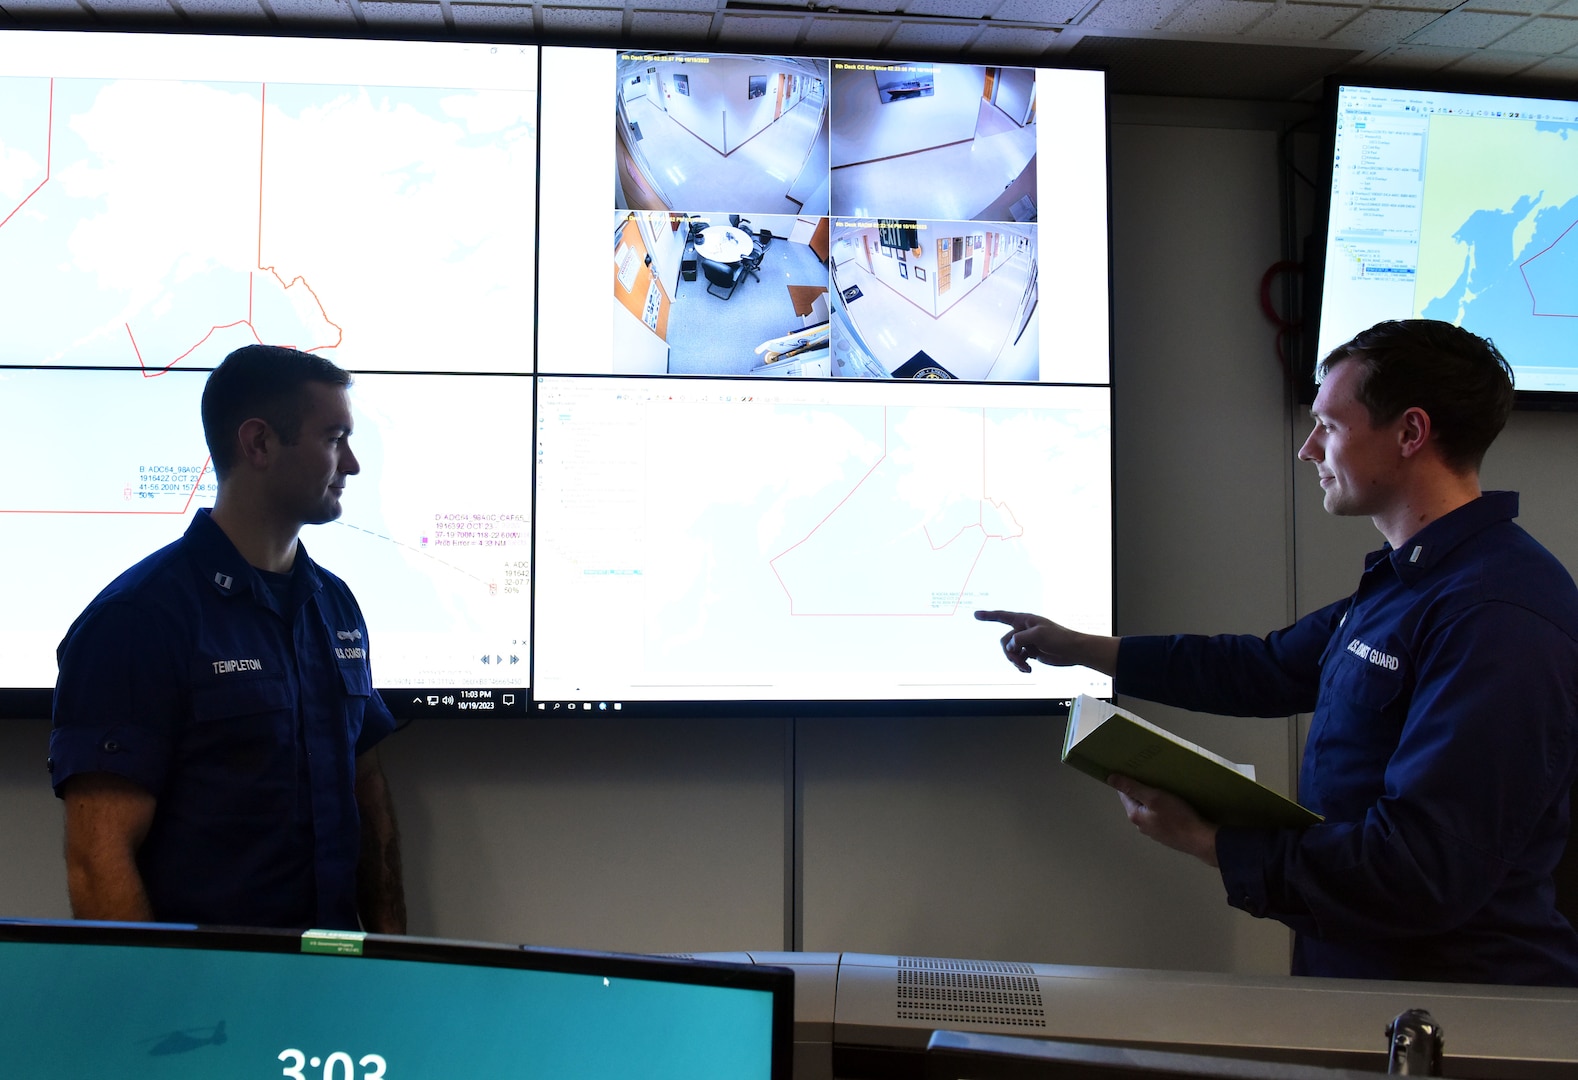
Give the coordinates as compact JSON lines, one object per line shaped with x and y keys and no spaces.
{"x":228,"y":573}
{"x":1423,"y":551}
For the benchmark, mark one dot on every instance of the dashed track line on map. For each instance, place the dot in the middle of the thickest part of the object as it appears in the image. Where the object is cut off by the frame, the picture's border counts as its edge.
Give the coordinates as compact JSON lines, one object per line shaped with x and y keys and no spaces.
{"x":492,"y":586}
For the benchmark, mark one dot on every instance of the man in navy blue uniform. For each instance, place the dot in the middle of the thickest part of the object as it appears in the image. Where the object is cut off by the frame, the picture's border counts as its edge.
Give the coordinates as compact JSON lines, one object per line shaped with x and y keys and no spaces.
{"x":214,"y":718}
{"x":1444,"y":740}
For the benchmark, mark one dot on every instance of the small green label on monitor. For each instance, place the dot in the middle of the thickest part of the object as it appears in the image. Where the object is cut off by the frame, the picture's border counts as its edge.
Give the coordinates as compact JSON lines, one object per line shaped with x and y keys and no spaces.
{"x":333,"y":942}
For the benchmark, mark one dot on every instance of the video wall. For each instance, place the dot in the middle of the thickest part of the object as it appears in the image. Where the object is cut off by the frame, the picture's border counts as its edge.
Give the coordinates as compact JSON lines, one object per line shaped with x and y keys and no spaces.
{"x":848,"y":381}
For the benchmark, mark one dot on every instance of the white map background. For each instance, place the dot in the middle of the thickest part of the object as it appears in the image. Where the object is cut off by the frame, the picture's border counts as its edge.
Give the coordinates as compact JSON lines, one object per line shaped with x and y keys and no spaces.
{"x":825,"y":550}
{"x":154,"y":225}
{"x":148,"y":223}
{"x":434,"y":539}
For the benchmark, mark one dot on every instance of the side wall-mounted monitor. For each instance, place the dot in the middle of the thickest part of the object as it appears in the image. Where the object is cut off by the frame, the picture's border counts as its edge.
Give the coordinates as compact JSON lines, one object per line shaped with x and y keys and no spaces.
{"x":847,"y":380}
{"x":1453,"y":205}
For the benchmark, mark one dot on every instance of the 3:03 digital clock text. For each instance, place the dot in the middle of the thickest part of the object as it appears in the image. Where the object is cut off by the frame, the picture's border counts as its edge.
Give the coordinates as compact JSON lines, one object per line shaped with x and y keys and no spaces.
{"x":337,"y":1066}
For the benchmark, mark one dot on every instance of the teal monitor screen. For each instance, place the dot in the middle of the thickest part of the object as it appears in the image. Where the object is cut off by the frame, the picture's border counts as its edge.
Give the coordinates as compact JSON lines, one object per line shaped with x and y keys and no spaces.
{"x":89,"y":1000}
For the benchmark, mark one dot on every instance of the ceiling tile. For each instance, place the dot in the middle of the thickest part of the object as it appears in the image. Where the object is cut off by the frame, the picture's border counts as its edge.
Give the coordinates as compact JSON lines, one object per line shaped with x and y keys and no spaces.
{"x":220,"y":11}
{"x":52,"y":10}
{"x":382,"y":13}
{"x":318,"y":12}
{"x":668,"y":24}
{"x":1544,"y":36}
{"x":953,"y":9}
{"x":833,"y":33}
{"x":781,"y":29}
{"x":914,"y":35}
{"x":1303,"y":22}
{"x":583,"y":20}
{"x":1416,"y":58}
{"x":1422,"y":5}
{"x":1017,"y":40}
{"x":1376,"y":29}
{"x":679,"y":5}
{"x":1557,"y":68}
{"x":1568,"y":8}
{"x":1494,"y":62}
{"x":1218,"y":16}
{"x":1518,"y":7}
{"x":1130,"y":14}
{"x":1038,"y":12}
{"x":1466,"y":29}
{"x":514,"y":16}
{"x":605,"y":4}
{"x":142,"y":9}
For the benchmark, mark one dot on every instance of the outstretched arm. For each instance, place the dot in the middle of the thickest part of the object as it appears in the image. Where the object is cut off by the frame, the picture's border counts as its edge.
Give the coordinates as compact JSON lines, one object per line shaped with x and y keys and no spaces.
{"x":380,"y":885}
{"x":1032,"y":637}
{"x":107,"y":819}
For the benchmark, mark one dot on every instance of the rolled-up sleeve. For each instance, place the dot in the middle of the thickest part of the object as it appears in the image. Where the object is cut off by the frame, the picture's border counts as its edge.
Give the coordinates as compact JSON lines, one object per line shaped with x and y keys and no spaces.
{"x":116,"y":699}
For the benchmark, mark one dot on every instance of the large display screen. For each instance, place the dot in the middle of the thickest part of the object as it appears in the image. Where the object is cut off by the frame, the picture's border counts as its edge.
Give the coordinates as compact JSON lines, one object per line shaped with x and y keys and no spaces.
{"x":144,"y":1003}
{"x":166,"y":199}
{"x":850,"y":382}
{"x":741,"y":541}
{"x":1460,"y":207}
{"x":847,"y":382}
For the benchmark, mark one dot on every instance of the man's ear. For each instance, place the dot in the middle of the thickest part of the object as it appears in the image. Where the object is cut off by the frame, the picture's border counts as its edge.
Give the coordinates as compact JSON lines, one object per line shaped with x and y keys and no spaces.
{"x":256,"y":440}
{"x":1413,"y":432}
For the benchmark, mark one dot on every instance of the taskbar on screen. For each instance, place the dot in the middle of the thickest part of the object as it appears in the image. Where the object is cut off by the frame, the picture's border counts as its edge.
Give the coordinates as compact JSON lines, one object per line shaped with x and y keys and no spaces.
{"x":438,"y":703}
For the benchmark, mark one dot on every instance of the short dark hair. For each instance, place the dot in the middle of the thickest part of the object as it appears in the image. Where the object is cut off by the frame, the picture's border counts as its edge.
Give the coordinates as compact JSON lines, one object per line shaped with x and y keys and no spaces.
{"x":1458,"y":378}
{"x":264,"y":381}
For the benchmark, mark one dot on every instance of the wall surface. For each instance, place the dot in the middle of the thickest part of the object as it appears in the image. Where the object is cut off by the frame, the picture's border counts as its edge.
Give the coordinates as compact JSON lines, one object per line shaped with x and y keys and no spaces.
{"x":937,"y":837}
{"x":870,"y":130}
{"x":1015,"y":90}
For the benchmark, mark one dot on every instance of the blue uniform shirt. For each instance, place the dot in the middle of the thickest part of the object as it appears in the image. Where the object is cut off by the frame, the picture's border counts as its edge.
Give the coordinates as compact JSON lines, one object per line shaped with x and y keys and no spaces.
{"x":242,"y":715}
{"x":1443,"y":745}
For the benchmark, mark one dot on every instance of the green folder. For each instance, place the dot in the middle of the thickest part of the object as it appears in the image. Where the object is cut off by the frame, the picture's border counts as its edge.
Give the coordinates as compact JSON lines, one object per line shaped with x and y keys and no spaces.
{"x":1103,"y":739}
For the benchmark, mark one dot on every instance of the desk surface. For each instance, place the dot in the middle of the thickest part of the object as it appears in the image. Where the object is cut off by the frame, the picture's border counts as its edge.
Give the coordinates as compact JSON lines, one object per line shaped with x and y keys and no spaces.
{"x":723,"y":243}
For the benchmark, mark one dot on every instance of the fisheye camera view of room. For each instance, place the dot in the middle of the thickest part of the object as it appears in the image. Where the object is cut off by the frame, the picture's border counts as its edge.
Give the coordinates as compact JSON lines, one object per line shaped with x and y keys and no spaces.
{"x":720,"y":294}
{"x":948,"y":141}
{"x":745,"y":133}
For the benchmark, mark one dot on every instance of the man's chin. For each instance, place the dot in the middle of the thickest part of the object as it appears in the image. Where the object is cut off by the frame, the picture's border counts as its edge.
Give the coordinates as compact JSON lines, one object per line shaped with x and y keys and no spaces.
{"x":326,"y":513}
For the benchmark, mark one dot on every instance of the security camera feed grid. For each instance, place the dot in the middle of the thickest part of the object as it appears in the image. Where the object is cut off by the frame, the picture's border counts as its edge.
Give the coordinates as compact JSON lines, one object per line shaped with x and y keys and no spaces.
{"x":818,"y":218}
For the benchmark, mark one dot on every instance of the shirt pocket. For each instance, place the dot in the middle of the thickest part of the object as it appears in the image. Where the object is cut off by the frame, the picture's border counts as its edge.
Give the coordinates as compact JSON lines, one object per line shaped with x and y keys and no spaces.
{"x":240,"y":753}
{"x":1359,"y":684}
{"x":357,"y":681}
{"x":1358,"y":725}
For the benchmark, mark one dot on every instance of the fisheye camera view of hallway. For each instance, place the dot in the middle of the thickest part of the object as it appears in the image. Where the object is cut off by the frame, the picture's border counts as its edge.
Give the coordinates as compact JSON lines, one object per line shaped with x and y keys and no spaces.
{"x":951,"y":299}
{"x":743,"y":134}
{"x":953,"y":142}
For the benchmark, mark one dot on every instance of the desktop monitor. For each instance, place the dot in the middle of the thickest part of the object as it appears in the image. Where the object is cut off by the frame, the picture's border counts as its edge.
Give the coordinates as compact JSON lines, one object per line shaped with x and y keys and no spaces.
{"x":1445,"y":203}
{"x":181,"y":1003}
